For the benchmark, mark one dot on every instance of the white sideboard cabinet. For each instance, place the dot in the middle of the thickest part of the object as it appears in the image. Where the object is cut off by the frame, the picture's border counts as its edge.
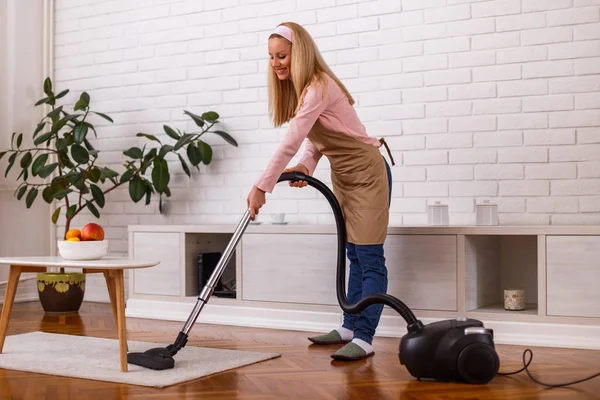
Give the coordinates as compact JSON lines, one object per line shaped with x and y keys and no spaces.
{"x":284,"y":277}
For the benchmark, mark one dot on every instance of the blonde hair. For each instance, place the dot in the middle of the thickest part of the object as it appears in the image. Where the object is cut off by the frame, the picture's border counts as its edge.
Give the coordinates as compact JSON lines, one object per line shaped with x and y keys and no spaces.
{"x":307,"y":67}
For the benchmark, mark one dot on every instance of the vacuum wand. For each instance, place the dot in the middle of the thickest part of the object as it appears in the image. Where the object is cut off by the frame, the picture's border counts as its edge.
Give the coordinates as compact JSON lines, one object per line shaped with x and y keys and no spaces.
{"x":162,"y":357}
{"x":209,"y":288}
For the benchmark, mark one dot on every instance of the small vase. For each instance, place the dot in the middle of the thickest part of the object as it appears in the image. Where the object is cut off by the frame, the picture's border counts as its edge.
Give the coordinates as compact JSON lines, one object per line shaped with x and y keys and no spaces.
{"x":61,"y":293}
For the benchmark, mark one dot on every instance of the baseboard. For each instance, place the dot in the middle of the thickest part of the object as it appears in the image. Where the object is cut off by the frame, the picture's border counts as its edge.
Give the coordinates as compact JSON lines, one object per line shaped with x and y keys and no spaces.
{"x":234,"y":315}
{"x":512,"y":333}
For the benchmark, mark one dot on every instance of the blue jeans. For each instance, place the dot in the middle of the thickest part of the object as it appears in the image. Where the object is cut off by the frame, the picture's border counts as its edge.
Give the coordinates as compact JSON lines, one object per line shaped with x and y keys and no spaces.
{"x":368,"y":275}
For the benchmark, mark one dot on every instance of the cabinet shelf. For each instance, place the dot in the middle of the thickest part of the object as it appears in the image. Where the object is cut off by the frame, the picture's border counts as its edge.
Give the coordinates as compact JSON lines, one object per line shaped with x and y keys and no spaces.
{"x":495,"y":263}
{"x":498,"y":308}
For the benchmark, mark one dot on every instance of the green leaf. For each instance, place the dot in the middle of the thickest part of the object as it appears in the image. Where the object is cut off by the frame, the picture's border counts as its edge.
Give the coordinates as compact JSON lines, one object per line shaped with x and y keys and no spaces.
{"x":42,"y":101}
{"x":60,"y":124}
{"x":137,"y":189}
{"x":19,"y":140}
{"x":210,"y":116}
{"x":91,"y":127}
{"x":83,"y":102}
{"x":148,"y":195}
{"x":134,"y":152}
{"x":23,"y":174}
{"x":184,"y":165}
{"x":26,"y":160}
{"x":91,"y":149}
{"x":2,"y":154}
{"x":71,"y":210}
{"x":127,"y":175}
{"x":97,"y":195}
{"x":160,"y":175}
{"x":55,"y":215}
{"x":55,"y":113}
{"x":93,"y":209}
{"x":80,"y":132}
{"x":64,"y":159}
{"x":79,"y":154}
{"x":164,"y":150}
{"x":39,"y":128}
{"x":21,"y":192}
{"x":43,"y":138}
{"x":62,"y":94}
{"x":106,"y":117}
{"x":47,"y":170}
{"x":48,"y":87}
{"x":169,"y":131}
{"x":206,"y":151}
{"x":151,"y":137}
{"x":31,"y":197}
{"x":198,"y":120}
{"x":60,"y":144}
{"x":61,"y":194}
{"x":150,"y":155}
{"x":160,"y":204}
{"x":38,"y":164}
{"x":11,"y":162}
{"x":227,"y":137}
{"x":185,"y":139}
{"x":95,"y":174}
{"x":194,"y":154}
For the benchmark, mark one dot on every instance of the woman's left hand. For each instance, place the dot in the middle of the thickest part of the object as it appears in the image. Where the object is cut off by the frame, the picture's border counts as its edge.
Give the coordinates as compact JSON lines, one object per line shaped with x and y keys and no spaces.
{"x":256,"y":199}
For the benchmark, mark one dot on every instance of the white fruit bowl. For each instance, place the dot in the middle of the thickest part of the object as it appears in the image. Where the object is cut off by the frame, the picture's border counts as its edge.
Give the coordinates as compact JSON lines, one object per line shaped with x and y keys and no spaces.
{"x":86,"y":250}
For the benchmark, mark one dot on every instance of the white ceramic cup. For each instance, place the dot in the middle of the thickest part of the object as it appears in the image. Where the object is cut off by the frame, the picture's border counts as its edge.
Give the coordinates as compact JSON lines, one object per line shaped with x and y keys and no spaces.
{"x":278,"y":218}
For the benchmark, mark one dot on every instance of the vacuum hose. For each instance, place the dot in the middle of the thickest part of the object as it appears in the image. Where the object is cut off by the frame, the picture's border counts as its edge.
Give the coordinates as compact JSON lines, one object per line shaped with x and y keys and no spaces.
{"x":414,"y":325}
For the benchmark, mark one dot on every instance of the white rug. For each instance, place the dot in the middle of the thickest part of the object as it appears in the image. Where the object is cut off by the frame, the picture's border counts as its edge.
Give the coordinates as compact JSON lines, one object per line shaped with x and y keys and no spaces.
{"x":98,"y":359}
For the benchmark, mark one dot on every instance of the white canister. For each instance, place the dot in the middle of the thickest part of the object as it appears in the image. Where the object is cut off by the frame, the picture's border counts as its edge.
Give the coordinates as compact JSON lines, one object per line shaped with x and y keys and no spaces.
{"x":437,"y":214}
{"x":486,"y":213}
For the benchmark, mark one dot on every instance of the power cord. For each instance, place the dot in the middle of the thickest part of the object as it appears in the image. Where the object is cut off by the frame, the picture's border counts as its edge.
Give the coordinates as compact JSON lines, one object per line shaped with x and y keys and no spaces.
{"x":526,"y":364}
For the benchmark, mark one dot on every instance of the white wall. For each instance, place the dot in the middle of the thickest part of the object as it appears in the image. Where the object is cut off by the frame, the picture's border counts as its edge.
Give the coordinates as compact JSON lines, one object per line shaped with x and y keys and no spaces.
{"x":22,"y":231}
{"x":478,"y":99}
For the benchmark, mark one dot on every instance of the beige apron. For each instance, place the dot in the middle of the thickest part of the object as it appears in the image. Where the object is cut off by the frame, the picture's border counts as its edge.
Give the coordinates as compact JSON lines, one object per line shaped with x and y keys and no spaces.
{"x":360,"y":183}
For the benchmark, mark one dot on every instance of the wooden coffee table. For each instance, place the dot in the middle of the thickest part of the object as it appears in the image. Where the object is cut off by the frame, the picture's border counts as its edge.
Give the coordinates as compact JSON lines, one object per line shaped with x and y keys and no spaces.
{"x":111,"y":267}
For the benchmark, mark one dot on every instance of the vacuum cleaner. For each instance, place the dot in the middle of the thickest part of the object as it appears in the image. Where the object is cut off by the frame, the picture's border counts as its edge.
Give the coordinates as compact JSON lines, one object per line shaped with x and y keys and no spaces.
{"x":455,"y":350}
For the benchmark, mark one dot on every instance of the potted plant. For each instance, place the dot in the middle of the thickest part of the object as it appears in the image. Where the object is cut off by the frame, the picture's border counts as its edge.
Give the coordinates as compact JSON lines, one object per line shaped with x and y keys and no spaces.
{"x":62,"y":168}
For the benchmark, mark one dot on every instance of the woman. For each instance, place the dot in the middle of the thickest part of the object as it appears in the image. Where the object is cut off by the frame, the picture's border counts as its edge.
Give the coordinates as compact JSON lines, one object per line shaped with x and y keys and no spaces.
{"x":306,"y":93}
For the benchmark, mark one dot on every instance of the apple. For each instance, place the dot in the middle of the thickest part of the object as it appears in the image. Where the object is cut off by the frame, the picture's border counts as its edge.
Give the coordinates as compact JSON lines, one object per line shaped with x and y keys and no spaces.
{"x":91,"y":232}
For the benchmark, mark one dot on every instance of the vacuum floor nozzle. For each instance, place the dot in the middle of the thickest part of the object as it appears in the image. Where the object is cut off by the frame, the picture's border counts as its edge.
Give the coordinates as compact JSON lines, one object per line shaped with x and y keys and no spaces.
{"x":158,"y":359}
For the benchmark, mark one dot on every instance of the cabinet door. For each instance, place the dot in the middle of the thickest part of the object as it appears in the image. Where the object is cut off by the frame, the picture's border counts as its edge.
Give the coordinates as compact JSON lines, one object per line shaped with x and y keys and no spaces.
{"x":296,"y":268}
{"x":573,"y":276}
{"x":422,"y":270}
{"x":163,"y":279}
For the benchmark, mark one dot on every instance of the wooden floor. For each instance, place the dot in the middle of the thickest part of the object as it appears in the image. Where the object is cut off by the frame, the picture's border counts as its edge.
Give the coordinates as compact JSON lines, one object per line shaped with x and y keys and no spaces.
{"x":303,"y":371}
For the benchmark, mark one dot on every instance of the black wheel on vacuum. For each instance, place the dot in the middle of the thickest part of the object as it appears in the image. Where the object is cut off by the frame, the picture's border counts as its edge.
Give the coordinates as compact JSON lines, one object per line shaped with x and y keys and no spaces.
{"x":478,"y":363}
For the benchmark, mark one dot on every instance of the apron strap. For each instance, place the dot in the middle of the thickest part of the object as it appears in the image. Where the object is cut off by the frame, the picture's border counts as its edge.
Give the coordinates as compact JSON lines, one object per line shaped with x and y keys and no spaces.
{"x":382,"y":141}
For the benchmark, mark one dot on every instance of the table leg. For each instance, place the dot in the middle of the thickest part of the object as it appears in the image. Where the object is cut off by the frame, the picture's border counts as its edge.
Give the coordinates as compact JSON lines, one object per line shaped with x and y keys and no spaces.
{"x":9,"y":298}
{"x":117,"y":276}
{"x":110,"y":285}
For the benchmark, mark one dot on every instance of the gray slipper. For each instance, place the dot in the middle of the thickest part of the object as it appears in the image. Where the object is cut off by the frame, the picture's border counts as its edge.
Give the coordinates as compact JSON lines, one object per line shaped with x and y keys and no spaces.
{"x":332,"y":337}
{"x":351,"y":352}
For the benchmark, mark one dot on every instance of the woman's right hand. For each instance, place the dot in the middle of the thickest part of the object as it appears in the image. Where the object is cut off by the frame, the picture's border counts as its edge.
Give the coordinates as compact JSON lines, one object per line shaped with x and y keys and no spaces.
{"x":298,"y":168}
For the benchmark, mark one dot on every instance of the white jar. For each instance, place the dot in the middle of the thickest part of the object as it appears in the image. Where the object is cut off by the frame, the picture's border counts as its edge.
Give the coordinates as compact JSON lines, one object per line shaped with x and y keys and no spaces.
{"x":486,"y":213}
{"x":437,"y":214}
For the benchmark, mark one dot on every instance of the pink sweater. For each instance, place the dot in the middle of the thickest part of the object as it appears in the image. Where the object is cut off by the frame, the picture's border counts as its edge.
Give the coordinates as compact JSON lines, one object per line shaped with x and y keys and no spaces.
{"x":333,"y":111}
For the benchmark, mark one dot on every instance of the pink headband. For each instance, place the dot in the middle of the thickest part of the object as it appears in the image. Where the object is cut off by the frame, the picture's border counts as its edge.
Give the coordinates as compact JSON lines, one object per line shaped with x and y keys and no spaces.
{"x":284,"y":31}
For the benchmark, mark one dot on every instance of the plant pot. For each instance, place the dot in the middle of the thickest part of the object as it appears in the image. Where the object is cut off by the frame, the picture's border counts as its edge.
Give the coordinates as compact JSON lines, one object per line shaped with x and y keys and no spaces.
{"x":61,"y":293}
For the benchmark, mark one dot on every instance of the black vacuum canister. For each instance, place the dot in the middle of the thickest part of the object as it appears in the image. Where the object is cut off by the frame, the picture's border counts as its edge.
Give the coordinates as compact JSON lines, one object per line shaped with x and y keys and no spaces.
{"x":459,"y":350}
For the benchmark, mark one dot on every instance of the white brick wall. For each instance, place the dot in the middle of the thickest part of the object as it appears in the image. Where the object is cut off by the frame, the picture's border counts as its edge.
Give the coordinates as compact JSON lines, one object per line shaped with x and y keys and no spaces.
{"x":479,"y":99}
